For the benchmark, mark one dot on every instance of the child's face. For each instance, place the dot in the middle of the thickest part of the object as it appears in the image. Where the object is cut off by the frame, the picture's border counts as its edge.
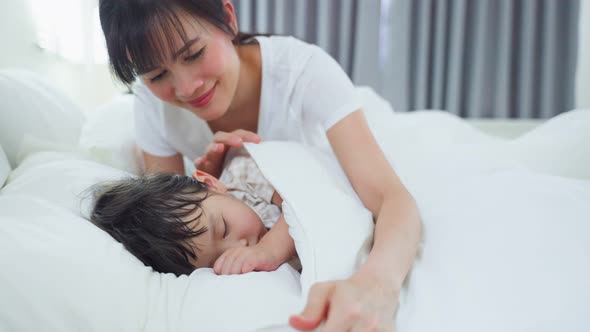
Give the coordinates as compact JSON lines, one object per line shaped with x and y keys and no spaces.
{"x":230,"y":223}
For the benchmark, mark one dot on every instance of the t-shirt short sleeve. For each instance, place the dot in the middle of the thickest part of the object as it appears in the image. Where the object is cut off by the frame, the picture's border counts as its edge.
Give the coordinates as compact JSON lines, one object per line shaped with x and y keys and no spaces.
{"x":326,"y":92}
{"x":149,"y":123}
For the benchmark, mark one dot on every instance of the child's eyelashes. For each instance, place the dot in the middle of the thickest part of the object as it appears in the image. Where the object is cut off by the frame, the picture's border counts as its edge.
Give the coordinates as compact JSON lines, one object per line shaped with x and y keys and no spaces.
{"x":224,"y":228}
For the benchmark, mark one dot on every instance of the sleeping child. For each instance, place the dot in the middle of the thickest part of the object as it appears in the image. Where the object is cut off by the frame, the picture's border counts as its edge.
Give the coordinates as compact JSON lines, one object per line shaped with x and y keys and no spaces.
{"x":176,"y":223}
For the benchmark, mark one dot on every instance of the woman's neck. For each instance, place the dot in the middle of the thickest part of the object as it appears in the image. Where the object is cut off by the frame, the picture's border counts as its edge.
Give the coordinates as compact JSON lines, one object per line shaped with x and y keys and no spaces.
{"x":244,"y":109}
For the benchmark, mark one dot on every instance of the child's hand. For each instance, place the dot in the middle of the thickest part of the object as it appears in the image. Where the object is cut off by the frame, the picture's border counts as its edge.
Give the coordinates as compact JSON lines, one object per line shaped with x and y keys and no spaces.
{"x":245,"y":259}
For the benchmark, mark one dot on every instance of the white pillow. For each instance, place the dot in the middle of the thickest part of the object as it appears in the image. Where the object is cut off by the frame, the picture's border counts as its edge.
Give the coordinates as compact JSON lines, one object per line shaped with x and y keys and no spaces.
{"x":560,"y":146}
{"x":4,"y":167}
{"x":60,"y":178}
{"x":34,"y":115}
{"x":65,"y":273}
{"x":331,"y":228}
{"x":108,"y":135}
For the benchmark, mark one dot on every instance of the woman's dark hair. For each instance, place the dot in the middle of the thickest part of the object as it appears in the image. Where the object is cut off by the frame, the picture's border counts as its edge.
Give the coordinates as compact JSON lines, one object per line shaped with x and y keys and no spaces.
{"x":140,"y":33}
{"x":150,"y":216}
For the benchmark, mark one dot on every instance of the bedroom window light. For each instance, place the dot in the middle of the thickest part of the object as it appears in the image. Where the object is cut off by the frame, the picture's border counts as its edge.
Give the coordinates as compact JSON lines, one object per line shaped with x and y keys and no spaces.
{"x":70,"y":29}
{"x":384,"y":33}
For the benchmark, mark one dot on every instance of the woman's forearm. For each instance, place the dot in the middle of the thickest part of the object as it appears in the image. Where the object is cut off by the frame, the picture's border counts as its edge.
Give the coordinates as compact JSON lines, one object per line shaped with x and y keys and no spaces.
{"x":398,"y":232}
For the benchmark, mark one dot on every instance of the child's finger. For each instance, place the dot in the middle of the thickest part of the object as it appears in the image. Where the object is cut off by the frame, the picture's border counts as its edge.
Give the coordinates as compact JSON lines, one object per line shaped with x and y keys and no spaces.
{"x":219,"y":264}
{"x":228,"y":263}
{"x":238,"y":261}
{"x":241,"y":258}
{"x":236,"y":267}
{"x":248,"y":265}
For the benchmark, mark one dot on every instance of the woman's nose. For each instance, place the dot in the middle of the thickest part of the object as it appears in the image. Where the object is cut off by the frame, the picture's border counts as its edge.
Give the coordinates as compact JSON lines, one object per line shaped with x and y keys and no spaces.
{"x":186,"y":86}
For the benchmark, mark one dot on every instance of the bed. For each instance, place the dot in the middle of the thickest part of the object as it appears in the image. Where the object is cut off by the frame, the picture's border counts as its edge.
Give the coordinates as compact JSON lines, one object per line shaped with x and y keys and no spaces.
{"x":505,"y":208}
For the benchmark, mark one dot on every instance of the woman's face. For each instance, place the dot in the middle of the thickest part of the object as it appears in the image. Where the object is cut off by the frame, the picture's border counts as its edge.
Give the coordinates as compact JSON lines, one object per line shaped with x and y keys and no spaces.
{"x":202,"y":75}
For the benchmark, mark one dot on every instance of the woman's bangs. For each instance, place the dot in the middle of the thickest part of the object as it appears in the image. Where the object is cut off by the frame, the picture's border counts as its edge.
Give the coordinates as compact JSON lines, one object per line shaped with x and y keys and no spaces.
{"x":155,"y":41}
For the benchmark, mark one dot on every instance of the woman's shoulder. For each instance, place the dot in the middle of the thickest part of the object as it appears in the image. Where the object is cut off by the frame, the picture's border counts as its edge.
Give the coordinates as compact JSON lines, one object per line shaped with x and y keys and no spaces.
{"x":283,"y":40}
{"x":286,"y":47}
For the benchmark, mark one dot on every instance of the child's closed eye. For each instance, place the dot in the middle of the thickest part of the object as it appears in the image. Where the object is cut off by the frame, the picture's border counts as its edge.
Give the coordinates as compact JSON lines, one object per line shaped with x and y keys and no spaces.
{"x":225,"y":231}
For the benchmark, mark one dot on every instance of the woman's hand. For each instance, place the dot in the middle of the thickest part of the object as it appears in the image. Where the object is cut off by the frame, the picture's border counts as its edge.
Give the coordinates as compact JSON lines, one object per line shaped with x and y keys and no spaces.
{"x":356,"y":304}
{"x":212,"y":161}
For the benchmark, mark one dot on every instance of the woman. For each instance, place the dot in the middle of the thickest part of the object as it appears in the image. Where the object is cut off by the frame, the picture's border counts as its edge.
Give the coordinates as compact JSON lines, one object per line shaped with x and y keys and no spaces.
{"x":191,"y":60}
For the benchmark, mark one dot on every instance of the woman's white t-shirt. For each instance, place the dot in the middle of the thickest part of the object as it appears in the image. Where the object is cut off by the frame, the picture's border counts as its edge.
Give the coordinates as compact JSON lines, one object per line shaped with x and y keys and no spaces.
{"x":304,"y":92}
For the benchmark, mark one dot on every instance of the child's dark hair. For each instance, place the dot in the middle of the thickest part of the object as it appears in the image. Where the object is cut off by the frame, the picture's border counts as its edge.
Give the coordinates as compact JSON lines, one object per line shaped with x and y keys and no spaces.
{"x":140,"y":33}
{"x":151,"y":216}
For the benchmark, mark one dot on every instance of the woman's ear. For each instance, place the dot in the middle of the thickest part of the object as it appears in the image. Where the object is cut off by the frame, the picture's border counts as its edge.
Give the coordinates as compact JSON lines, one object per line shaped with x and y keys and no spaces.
{"x":210,"y":181}
{"x":230,"y":16}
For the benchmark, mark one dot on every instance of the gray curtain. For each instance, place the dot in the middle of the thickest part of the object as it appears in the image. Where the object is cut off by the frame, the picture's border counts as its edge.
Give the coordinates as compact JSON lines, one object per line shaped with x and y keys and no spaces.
{"x":474,"y":58}
{"x":330,"y":24}
{"x":486,"y":58}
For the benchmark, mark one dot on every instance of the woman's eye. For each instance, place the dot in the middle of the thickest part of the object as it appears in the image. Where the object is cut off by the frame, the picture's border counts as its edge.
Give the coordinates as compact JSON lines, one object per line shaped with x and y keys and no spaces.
{"x":195,"y":56}
{"x":158,"y":77}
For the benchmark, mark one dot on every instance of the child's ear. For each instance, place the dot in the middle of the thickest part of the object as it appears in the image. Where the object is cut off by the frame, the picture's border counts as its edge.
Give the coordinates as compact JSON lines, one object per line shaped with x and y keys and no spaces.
{"x":210,"y":181}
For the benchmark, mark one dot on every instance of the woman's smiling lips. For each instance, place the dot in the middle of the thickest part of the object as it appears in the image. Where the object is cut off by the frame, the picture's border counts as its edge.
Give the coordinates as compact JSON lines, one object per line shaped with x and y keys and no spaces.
{"x":204,"y":99}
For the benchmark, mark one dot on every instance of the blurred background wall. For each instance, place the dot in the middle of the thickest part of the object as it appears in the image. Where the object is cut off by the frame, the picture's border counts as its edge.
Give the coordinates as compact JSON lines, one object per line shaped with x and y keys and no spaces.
{"x":88,"y":83}
{"x":475,"y":58}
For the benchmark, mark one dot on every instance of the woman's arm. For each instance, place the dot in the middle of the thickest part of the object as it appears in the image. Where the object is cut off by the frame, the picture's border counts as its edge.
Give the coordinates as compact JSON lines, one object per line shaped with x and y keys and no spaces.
{"x":398,"y":226}
{"x":155,"y":164}
{"x":370,"y":295}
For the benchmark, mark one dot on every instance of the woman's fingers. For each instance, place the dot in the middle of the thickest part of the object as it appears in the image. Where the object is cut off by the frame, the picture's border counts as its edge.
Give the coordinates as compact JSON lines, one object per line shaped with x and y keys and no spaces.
{"x":230,"y":139}
{"x":247,"y":136}
{"x":344,"y":316}
{"x":316,"y":308}
{"x":236,"y":137}
{"x":214,"y":148}
{"x":227,"y":139}
{"x":199,"y":161}
{"x":207,"y":167}
{"x":212,"y":161}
